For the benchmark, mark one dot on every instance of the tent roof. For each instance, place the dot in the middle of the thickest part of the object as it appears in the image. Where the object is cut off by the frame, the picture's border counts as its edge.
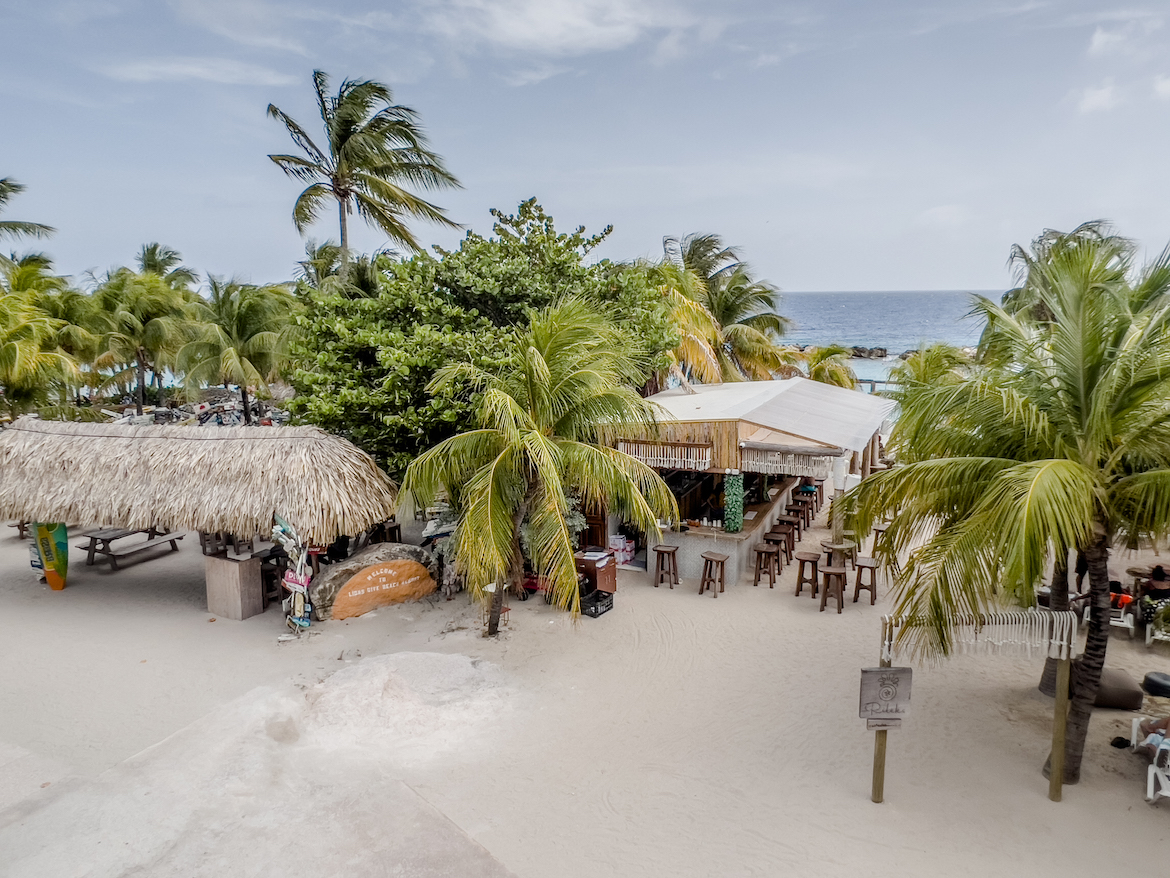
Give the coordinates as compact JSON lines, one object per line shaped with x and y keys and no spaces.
{"x":820,"y":413}
{"x":209,"y":479}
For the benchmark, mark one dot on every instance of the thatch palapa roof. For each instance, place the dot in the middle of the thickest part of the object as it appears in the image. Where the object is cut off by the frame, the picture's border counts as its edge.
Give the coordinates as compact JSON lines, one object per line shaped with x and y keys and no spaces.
{"x":209,"y":479}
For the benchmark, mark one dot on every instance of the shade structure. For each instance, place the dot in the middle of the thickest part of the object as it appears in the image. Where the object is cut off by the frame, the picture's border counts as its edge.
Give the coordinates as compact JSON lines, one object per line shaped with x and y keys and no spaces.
{"x":792,"y":426}
{"x":211,"y":479}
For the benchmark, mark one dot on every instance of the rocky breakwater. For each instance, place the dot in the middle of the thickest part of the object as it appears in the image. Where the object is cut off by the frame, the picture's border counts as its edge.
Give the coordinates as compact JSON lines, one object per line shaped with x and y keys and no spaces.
{"x":859,"y":353}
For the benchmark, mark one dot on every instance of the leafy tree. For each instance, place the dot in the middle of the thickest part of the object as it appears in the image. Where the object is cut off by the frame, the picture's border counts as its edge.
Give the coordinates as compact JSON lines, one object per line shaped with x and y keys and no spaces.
{"x":373,"y":149}
{"x":241,"y":337}
{"x":1057,"y":442}
{"x":363,"y":364}
{"x":368,"y":354}
{"x":543,"y":418}
{"x":16,"y":228}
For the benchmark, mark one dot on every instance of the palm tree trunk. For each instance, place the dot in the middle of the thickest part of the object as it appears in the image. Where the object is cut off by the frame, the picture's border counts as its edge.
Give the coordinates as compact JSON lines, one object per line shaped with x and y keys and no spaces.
{"x":1057,"y":602}
{"x":141,"y":369}
{"x":1087,"y":671}
{"x":341,"y":206}
{"x":247,"y":408}
{"x":515,"y":572}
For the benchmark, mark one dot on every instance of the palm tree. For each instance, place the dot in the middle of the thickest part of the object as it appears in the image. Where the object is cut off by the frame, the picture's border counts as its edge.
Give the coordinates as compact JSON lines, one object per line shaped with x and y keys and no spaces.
{"x":167,"y":263}
{"x":15,"y":228}
{"x":700,"y":337}
{"x":242,"y":337}
{"x":143,"y":321}
{"x":742,"y":308}
{"x":1058,"y":443}
{"x":29,"y":360}
{"x":544,"y":418}
{"x":830,"y":365}
{"x":373,"y":148}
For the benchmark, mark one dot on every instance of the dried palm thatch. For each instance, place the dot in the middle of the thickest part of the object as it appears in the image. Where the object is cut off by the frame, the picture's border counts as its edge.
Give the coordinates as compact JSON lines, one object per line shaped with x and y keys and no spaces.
{"x":229,"y":479}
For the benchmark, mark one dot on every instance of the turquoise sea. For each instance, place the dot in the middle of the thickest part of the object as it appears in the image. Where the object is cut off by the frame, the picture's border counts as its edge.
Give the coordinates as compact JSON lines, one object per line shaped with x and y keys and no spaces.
{"x":896,"y":320}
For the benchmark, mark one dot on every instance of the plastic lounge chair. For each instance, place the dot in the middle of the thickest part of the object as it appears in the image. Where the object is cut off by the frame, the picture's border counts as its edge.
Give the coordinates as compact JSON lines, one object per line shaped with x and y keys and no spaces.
{"x":1158,"y":774}
{"x":1119,"y":617}
{"x":1152,"y":634}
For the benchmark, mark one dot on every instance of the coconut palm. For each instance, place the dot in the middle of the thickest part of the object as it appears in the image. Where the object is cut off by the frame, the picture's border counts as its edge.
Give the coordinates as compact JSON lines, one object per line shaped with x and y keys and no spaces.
{"x":373,"y":149}
{"x":544,"y":418}
{"x":742,"y":308}
{"x":143,"y":321}
{"x":700,"y":338}
{"x":1064,"y":447}
{"x":16,"y":228}
{"x":29,"y":360}
{"x":167,"y":263}
{"x":830,"y":365}
{"x":242,"y":337}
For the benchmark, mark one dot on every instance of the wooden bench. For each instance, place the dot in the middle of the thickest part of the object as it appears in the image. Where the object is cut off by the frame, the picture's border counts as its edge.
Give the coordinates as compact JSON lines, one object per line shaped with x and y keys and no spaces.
{"x":100,"y":544}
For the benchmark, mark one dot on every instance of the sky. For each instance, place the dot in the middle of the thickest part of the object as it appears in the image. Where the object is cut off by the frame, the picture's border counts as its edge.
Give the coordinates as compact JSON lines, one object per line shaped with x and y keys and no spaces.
{"x":838,"y":145}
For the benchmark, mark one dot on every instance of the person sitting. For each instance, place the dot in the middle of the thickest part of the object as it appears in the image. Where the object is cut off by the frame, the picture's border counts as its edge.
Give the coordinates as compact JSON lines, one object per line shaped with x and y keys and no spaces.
{"x":1155,"y":594}
{"x":1155,"y":733}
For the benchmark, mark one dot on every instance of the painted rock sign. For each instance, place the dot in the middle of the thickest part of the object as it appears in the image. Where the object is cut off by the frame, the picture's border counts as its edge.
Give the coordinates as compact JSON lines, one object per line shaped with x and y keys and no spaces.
{"x":390,"y":582}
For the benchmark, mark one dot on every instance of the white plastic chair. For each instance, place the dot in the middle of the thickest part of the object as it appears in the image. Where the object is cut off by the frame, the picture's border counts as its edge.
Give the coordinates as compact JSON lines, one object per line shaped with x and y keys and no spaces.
{"x":1119,"y":618}
{"x":1152,"y":634}
{"x":1158,"y":774}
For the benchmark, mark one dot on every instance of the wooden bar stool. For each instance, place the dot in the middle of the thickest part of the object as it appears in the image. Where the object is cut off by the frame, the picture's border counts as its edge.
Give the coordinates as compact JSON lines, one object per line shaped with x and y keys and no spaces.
{"x":879,"y":530}
{"x":780,"y":541}
{"x":789,"y":532}
{"x":798,"y":509}
{"x":796,"y":521}
{"x":834,"y":583}
{"x":665,"y":564}
{"x":808,"y":508}
{"x":767,"y":561}
{"x":819,"y":484}
{"x":864,"y":564}
{"x":712,"y":573}
{"x":810,"y":560}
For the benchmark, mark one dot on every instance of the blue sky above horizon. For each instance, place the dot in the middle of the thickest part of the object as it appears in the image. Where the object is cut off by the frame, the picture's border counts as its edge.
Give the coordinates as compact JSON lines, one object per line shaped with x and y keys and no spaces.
{"x":841,"y":146}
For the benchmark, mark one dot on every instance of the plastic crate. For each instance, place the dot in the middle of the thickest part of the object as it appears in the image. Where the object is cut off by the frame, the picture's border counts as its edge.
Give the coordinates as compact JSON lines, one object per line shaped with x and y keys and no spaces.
{"x":597,"y":602}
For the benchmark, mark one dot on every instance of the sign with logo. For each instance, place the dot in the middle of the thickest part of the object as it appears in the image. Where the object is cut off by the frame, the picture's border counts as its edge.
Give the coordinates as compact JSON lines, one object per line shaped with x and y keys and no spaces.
{"x":391,"y":582}
{"x":885,"y":694}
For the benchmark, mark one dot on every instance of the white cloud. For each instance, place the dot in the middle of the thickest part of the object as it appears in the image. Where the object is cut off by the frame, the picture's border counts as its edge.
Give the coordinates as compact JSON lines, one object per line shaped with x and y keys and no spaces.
{"x":1098,"y":99}
{"x":74,"y":13}
{"x":253,"y":23}
{"x":220,"y":70}
{"x":549,"y":27}
{"x":534,"y":75}
{"x":1105,"y":42}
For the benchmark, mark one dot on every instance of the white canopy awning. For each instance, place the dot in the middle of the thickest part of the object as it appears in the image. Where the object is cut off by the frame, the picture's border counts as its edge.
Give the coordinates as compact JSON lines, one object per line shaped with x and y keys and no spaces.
{"x":821,"y":415}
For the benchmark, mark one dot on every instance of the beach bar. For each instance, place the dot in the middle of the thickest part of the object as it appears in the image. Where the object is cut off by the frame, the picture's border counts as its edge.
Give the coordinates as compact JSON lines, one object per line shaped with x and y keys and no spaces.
{"x":733,"y":453}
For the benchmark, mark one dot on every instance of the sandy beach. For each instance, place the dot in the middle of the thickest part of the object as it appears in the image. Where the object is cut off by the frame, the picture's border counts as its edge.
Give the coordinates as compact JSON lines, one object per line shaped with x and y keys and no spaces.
{"x":675,"y":736}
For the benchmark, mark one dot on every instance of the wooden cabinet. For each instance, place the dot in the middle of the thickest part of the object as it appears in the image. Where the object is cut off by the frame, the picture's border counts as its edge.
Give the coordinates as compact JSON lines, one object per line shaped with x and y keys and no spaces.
{"x":600,"y":568}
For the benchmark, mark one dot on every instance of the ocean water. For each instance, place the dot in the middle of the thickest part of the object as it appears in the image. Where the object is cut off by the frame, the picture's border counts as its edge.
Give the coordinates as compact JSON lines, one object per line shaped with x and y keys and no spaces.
{"x":897,"y":321}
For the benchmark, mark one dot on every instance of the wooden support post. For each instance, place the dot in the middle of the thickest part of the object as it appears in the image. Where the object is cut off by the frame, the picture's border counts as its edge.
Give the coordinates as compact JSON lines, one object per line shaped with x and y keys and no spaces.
{"x":879,"y":758}
{"x":879,"y":765}
{"x":1059,"y":725}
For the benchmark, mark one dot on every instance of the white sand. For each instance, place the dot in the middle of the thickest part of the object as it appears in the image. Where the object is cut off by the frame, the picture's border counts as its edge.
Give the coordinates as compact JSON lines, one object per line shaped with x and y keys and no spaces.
{"x":675,"y":736}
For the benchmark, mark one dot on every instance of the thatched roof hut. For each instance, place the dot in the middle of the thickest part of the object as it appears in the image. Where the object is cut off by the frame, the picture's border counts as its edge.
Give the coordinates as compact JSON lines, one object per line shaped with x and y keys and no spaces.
{"x":228,"y":479}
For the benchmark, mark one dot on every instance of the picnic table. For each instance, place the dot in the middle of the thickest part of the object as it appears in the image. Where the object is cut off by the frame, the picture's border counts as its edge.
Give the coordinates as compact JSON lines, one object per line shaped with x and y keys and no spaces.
{"x":101,"y":540}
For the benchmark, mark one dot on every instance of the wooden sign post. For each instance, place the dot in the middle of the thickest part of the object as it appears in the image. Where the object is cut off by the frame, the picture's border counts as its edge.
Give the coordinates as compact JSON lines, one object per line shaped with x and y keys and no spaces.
{"x":885,"y":701}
